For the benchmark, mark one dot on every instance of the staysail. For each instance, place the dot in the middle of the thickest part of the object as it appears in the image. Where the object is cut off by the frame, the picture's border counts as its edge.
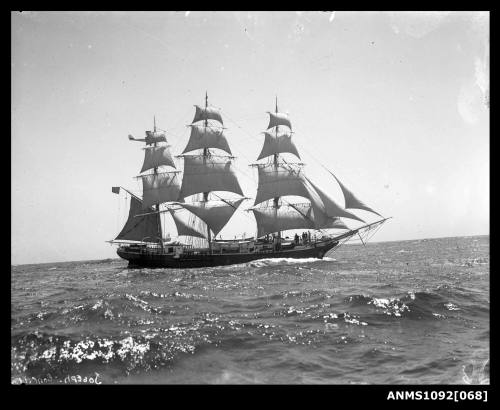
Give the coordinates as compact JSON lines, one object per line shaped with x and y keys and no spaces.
{"x":337,"y":223}
{"x":351,"y":201}
{"x":331,"y":208}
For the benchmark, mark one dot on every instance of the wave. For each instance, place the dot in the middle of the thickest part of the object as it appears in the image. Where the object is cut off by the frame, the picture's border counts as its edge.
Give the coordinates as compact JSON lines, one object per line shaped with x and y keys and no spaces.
{"x":284,"y":261}
{"x":413,"y":305}
{"x":41,"y":353}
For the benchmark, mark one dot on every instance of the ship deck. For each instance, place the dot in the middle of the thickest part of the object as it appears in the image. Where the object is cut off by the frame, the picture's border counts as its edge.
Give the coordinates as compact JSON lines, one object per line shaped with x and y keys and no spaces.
{"x":157,"y":257}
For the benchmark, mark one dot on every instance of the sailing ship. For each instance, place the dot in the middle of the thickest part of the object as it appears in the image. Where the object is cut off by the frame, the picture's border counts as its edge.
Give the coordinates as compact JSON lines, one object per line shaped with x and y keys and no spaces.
{"x":202,"y":192}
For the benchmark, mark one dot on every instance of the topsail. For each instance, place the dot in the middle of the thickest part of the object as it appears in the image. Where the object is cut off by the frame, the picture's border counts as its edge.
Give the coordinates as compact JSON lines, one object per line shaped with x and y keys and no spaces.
{"x":206,"y":137}
{"x":277,"y":119}
{"x":202,"y":174}
{"x":157,"y":156}
{"x":277,"y":145}
{"x":207,"y":113}
{"x":160,"y":188}
{"x":279,"y":180}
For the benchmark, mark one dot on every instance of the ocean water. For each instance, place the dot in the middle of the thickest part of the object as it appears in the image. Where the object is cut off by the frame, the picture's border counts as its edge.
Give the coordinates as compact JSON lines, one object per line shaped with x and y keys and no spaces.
{"x":409,"y":312}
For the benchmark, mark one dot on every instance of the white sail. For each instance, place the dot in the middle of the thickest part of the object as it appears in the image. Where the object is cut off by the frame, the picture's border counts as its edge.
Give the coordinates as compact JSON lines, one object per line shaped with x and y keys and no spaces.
{"x":278,"y":118}
{"x":331,"y":208}
{"x":159,"y":188}
{"x":215,"y":214}
{"x":293,"y":216}
{"x":317,"y":216}
{"x":351,"y":202}
{"x":208,"y":174}
{"x":157,"y":156}
{"x":276,"y":145}
{"x":140,"y":228}
{"x":206,"y":137}
{"x":280,"y":181}
{"x":184,"y":229}
{"x":208,"y":113}
{"x":334,"y":223}
{"x":271,"y":220}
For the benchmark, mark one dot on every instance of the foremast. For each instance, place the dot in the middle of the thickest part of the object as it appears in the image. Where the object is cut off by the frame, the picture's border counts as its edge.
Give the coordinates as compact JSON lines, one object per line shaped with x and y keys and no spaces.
{"x":160,"y":186}
{"x":156,"y":207}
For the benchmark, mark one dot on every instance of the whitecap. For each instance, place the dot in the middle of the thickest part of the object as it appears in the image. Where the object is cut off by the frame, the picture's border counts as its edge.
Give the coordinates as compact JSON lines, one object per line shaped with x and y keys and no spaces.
{"x":451,"y":306}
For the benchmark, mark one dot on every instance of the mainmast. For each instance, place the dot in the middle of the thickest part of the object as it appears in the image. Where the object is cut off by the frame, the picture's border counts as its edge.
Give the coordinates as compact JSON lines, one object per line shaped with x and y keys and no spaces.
{"x":206,"y":172}
{"x":206,"y":153}
{"x":276,"y":199}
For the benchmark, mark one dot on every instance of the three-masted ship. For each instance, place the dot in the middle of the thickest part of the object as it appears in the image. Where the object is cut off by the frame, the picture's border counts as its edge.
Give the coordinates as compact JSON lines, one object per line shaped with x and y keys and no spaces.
{"x":208,"y":191}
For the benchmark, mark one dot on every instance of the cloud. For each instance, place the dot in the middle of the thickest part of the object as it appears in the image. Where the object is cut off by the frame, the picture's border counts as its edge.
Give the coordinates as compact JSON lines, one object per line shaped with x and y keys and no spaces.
{"x":479,"y":30}
{"x":482,"y":74}
{"x":474,"y":95}
{"x":480,"y":23}
{"x":416,"y":24}
{"x":430,"y":188}
{"x":469,"y":103}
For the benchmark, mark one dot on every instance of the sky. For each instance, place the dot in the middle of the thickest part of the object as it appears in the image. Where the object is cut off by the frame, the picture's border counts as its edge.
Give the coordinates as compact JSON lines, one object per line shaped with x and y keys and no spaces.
{"x":396,"y":104}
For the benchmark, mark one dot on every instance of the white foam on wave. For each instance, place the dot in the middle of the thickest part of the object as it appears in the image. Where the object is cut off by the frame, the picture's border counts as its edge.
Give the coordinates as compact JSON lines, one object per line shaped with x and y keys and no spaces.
{"x":451,"y":306}
{"x":391,"y":306}
{"x":288,"y":261}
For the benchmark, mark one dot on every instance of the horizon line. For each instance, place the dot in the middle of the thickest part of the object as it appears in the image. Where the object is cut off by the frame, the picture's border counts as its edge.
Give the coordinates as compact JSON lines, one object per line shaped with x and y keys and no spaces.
{"x":370,"y":242}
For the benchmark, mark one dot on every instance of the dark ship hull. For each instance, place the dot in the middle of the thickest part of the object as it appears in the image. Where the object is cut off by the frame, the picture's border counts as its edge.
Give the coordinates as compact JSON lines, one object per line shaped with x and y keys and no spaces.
{"x":142,"y":257}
